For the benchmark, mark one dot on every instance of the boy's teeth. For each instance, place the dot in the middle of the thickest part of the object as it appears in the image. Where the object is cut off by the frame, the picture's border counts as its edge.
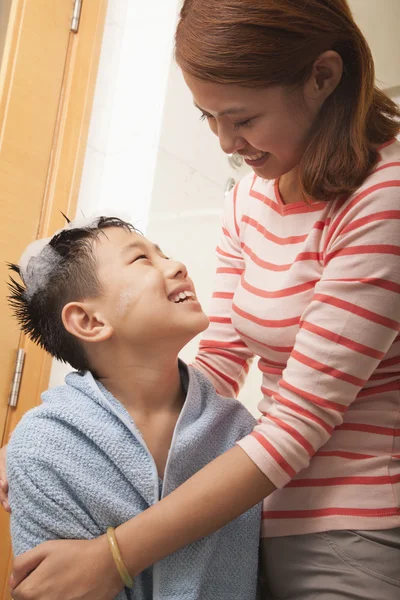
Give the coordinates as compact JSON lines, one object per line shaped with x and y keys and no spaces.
{"x":182,"y":296}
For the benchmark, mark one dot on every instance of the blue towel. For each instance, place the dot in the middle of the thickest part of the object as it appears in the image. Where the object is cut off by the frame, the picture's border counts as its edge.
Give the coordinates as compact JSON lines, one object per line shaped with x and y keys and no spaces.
{"x":78,"y":464}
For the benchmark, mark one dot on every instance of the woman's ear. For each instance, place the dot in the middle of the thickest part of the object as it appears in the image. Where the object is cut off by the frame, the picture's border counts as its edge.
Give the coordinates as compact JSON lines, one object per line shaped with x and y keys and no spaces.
{"x":326,"y":76}
{"x":84,"y":323}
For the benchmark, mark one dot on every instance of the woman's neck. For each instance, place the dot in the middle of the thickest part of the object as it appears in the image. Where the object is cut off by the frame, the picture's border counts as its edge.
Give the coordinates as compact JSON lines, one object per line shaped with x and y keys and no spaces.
{"x":290,"y":188}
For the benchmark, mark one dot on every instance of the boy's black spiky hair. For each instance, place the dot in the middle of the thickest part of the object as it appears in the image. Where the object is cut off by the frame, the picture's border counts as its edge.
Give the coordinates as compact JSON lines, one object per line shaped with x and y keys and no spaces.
{"x":73,"y":277}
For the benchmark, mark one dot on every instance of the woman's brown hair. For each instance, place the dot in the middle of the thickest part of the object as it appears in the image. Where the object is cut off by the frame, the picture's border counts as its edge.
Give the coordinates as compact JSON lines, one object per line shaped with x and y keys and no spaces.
{"x":258,"y":43}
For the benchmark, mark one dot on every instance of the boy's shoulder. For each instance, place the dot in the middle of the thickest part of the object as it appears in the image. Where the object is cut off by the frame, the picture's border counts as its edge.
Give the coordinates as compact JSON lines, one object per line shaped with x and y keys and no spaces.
{"x":229,"y":412}
{"x":56,"y":421}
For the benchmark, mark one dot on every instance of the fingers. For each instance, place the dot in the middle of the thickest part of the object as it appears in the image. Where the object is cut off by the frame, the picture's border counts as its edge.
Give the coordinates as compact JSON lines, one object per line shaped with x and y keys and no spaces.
{"x":26,"y":563}
{"x":4,"y":495}
{"x":3,"y":480}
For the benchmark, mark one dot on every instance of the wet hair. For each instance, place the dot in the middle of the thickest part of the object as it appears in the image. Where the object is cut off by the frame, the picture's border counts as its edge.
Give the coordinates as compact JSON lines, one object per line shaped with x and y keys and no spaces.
{"x":260,"y":43}
{"x":64,"y":271}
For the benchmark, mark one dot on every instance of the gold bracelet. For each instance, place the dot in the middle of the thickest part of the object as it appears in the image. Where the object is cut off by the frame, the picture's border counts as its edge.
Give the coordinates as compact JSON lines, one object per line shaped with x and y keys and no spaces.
{"x":119,"y":563}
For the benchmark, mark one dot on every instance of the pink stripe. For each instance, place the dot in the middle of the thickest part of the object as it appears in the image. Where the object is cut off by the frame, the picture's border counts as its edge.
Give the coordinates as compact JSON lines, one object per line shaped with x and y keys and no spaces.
{"x":264,"y":199}
{"x":285,"y":349}
{"x":328,"y":512}
{"x":391,"y":164}
{"x":225,"y":320}
{"x":226,"y":232}
{"x":303,"y":412}
{"x":380,"y":389}
{"x":339,"y":339}
{"x":267,"y":362}
{"x":388,"y":143}
{"x":223,"y":295}
{"x":333,"y":481}
{"x":341,"y":454}
{"x":318,"y":366}
{"x":292,"y":431}
{"x":221,"y":344}
{"x":223,"y":253}
{"x":389,"y":362}
{"x":384,"y":215}
{"x":295,"y":239}
{"x":232,"y":357}
{"x":294,"y":321}
{"x":263,"y":263}
{"x":223,"y":376}
{"x":392,"y":432}
{"x":283,"y":293}
{"x":274,"y":453}
{"x":357,"y":310}
{"x":356,"y":200}
{"x":327,"y":404}
{"x":359,"y":250}
{"x":385,"y":284}
{"x":235,"y":191}
{"x":229,"y":271}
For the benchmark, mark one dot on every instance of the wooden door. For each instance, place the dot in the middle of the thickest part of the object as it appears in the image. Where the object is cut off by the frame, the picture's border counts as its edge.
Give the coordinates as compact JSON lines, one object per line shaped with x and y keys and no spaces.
{"x":47,"y":78}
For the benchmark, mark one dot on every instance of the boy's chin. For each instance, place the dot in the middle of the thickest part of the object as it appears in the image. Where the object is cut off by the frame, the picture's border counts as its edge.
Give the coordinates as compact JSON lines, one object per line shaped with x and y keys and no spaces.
{"x":189,"y":330}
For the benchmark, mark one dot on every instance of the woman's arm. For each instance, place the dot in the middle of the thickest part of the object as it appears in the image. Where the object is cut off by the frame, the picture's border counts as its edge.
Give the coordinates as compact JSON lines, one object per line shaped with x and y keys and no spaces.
{"x":223,"y":357}
{"x":220,"y":492}
{"x":81,"y":570}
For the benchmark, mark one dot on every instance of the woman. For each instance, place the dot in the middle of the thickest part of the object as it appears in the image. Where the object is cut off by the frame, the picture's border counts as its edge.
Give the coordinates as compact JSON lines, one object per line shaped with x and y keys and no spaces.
{"x":308,"y":281}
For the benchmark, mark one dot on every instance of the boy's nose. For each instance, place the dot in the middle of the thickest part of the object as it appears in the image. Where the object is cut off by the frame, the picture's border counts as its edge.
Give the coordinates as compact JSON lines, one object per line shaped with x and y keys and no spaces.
{"x":176,"y":270}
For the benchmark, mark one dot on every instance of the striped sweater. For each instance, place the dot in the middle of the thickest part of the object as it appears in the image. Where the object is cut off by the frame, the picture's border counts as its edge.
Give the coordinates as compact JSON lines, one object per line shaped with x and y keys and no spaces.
{"x":313,"y":291}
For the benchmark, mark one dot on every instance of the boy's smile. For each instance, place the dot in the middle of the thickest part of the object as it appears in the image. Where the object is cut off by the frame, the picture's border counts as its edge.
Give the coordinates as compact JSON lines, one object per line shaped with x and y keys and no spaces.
{"x":146,"y":296}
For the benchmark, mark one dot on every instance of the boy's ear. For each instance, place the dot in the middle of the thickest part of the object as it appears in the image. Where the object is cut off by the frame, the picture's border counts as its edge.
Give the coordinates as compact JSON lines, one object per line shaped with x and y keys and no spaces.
{"x":85,"y":324}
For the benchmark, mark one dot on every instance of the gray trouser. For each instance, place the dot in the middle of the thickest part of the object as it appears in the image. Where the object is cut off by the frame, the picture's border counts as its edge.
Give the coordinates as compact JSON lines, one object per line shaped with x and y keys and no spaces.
{"x":334,"y":565}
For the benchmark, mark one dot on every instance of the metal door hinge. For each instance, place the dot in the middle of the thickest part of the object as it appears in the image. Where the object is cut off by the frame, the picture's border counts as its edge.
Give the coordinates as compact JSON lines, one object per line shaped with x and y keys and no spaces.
{"x":16,"y":383}
{"x":76,"y":16}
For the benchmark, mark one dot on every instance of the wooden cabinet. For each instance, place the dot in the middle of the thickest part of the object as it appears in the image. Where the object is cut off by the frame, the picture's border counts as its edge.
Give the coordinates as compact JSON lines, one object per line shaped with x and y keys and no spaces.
{"x":47,"y":79}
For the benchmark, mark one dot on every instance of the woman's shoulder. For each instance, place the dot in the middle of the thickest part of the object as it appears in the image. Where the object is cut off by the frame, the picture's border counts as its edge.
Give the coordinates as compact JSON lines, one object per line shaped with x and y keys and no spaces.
{"x":380,"y":191}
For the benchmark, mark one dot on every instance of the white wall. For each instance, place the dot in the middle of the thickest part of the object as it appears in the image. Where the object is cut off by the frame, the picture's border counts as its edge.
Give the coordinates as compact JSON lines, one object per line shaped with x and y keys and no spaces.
{"x":127,"y":115}
{"x":379,"y":20}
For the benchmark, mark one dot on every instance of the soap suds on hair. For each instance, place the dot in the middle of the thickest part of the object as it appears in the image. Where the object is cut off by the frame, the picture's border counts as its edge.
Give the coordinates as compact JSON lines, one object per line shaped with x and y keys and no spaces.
{"x":39,"y":260}
{"x":36,"y":265}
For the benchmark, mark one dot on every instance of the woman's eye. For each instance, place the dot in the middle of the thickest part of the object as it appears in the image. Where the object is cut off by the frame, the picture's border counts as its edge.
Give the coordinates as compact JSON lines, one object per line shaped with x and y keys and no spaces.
{"x":204,"y":116}
{"x":240,"y":124}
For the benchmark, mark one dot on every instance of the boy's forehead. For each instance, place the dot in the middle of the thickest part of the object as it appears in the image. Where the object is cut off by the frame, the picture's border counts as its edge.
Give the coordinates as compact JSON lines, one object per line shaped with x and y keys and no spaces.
{"x":116,"y":239}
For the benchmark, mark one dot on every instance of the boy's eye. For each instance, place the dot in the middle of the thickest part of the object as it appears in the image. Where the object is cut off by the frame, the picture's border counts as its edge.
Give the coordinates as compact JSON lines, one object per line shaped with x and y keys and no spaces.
{"x":240,"y":124}
{"x":141,"y":257}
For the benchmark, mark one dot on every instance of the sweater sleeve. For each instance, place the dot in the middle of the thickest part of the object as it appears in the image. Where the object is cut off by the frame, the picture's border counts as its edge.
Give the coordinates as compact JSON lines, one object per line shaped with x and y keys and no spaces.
{"x":345,"y":332}
{"x":223,"y":357}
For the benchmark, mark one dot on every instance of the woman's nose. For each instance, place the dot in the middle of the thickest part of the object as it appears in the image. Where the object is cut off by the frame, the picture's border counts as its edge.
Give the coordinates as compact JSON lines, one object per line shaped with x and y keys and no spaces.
{"x":229,"y":141}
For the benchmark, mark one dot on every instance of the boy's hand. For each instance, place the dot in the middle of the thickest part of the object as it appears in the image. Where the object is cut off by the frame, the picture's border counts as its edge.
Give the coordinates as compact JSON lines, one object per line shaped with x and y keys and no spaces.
{"x":3,"y":480}
{"x":66,"y":570}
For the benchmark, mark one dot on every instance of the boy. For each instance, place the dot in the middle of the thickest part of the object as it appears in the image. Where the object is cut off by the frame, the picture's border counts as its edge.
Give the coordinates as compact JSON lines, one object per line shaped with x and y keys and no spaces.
{"x":133,"y":422}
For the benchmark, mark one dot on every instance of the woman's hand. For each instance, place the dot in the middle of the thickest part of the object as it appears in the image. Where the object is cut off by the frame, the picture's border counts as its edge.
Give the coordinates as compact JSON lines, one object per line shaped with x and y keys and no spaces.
{"x":66,"y":570}
{"x":3,"y":480}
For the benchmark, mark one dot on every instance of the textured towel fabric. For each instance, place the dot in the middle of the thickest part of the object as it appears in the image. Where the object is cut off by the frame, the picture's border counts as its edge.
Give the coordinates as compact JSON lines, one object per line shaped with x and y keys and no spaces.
{"x":78,"y":464}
